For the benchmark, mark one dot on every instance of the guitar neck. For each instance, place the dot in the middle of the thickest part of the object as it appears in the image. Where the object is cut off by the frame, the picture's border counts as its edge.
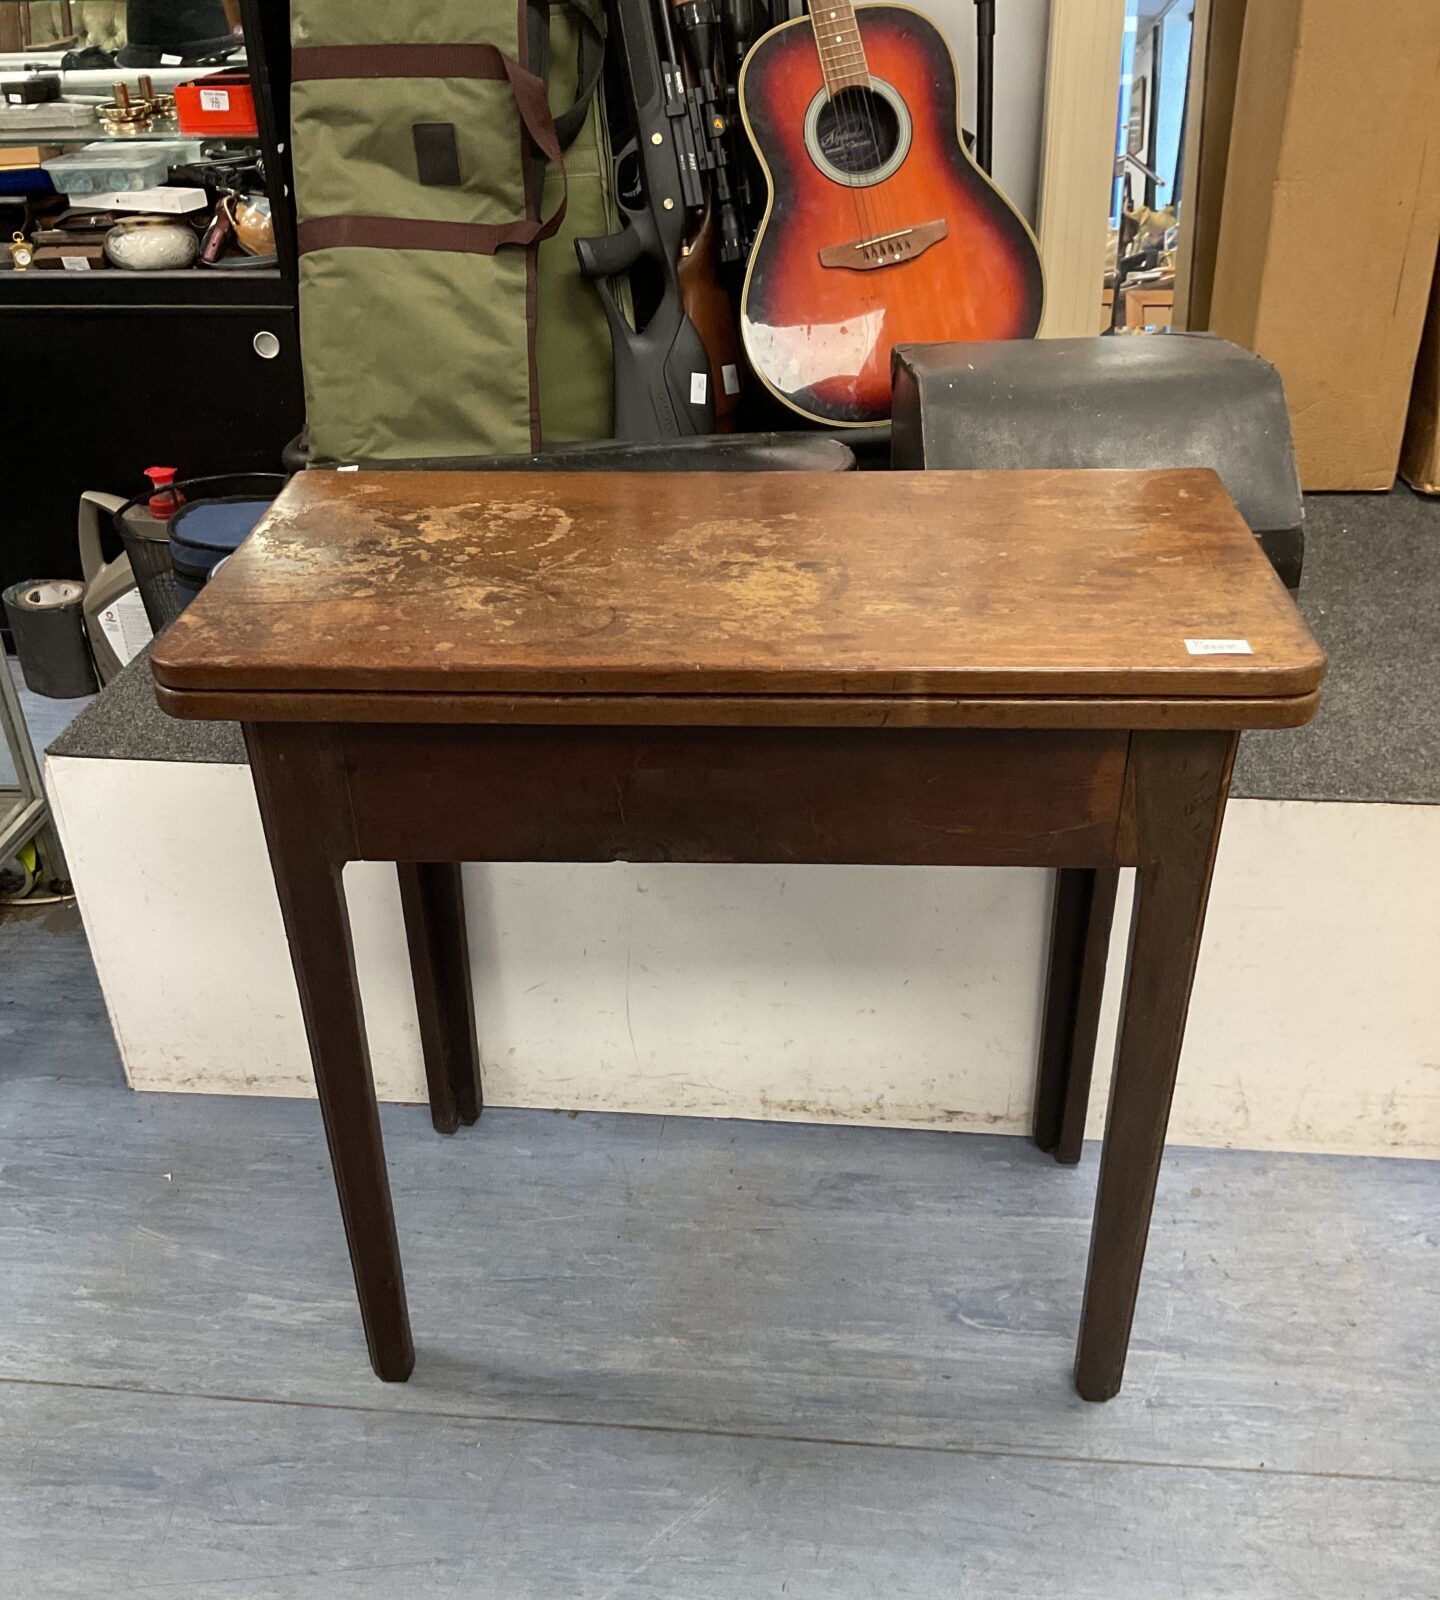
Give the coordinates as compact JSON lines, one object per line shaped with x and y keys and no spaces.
{"x":837,"y":37}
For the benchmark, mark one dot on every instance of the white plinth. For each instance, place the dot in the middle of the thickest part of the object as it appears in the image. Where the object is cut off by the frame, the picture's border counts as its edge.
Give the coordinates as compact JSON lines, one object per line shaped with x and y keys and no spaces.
{"x":901,"y":996}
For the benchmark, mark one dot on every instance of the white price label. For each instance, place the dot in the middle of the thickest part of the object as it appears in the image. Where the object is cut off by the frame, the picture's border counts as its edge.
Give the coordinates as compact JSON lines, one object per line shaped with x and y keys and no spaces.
{"x":214,"y":99}
{"x":699,"y":384}
{"x":1219,"y":647}
{"x":75,"y":263}
{"x":730,"y":375}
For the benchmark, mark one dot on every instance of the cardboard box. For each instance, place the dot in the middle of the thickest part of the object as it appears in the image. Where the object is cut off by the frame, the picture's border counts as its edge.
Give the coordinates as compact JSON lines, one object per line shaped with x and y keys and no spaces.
{"x":1327,"y":248}
{"x":1420,"y":462}
{"x":21,"y":156}
{"x":175,"y":201}
{"x":71,"y":258}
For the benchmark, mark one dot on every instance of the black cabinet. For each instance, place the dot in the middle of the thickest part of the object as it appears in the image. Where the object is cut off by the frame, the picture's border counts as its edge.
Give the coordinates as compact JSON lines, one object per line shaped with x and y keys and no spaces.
{"x":92,"y":393}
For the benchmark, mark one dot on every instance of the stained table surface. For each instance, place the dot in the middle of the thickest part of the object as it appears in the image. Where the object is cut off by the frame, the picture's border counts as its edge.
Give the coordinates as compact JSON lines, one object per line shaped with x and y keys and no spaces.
{"x":856,"y":587}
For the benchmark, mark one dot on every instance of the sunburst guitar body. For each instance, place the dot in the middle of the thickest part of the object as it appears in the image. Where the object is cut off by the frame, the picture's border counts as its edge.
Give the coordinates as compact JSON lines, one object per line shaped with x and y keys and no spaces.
{"x":880,"y":230}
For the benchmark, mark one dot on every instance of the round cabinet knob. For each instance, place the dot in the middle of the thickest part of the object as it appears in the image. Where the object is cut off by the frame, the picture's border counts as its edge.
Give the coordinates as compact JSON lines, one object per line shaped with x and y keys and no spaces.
{"x":266,"y":345}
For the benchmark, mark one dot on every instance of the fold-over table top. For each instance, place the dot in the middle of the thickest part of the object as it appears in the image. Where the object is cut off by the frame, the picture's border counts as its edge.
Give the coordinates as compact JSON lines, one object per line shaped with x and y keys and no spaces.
{"x":953,"y":598}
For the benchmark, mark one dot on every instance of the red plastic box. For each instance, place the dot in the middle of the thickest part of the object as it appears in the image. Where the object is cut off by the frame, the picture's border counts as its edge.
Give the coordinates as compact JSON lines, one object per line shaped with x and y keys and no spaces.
{"x":220,"y":104}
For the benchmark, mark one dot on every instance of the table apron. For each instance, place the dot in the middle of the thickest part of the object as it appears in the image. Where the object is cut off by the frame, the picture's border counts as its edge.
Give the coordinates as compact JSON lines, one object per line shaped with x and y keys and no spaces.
{"x":925,"y":797}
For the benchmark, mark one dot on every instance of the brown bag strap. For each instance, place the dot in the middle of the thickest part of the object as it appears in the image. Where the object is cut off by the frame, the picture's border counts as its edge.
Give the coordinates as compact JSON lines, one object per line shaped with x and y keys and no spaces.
{"x":326,"y":62}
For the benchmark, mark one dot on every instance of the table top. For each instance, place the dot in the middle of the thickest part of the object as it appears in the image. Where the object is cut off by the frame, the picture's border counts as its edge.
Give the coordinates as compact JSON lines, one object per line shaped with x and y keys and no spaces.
{"x":1002,"y":598}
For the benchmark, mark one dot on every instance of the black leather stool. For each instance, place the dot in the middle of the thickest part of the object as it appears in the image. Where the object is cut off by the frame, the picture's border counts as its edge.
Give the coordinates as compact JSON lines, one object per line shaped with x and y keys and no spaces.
{"x":1161,"y":400}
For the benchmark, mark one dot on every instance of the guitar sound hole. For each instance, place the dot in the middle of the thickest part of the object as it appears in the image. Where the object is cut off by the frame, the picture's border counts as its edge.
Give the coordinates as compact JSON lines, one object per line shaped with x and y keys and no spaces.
{"x":859,"y":136}
{"x":858,"y":131}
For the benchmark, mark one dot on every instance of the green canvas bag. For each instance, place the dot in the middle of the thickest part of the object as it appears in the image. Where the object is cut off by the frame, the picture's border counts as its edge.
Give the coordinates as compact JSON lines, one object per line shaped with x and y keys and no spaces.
{"x":428,"y":175}
{"x":572,"y":337}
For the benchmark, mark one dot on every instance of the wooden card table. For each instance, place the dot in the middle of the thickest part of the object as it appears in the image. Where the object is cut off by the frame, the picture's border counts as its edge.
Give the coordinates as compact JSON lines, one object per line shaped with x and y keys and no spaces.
{"x":1045,"y":669}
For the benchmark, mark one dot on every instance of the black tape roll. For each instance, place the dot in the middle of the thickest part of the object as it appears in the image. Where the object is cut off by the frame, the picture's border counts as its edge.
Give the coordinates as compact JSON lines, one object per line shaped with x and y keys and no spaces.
{"x":47,"y":622}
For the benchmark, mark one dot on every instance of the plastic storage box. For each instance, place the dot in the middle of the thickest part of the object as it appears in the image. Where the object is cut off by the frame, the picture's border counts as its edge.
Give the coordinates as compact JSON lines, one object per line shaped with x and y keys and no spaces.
{"x":220,"y":105}
{"x":107,"y":168}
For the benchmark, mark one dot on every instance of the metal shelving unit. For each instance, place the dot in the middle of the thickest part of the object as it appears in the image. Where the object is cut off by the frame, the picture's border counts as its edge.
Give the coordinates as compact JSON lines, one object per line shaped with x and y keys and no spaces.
{"x":264,"y":58}
{"x":24,"y":811}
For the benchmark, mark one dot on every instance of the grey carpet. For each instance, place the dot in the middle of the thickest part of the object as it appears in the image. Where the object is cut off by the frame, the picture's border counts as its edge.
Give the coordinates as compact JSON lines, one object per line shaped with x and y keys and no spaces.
{"x":125,"y":724}
{"x":1371,"y":593}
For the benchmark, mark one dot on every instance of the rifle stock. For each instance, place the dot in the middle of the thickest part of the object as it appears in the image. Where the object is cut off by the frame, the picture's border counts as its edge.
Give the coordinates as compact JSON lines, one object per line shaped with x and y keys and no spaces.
{"x":707,"y":304}
{"x":663,"y":387}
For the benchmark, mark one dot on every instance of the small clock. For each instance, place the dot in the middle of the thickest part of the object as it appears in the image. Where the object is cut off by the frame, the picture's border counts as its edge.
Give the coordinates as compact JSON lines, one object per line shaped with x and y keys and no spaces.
{"x":21,"y":255}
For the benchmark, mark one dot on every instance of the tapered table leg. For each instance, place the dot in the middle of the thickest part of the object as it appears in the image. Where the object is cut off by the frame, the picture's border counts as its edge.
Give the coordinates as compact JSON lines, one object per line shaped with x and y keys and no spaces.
{"x":300,"y":784}
{"x":433,"y":899}
{"x":1177,"y":787}
{"x":1079,"y":947}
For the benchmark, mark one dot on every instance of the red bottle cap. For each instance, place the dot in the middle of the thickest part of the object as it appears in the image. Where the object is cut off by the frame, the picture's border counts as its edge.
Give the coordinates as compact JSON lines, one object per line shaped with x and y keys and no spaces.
{"x":165,"y":499}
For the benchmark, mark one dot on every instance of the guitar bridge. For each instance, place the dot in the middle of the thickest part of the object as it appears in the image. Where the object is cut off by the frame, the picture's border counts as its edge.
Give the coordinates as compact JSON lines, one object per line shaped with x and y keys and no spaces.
{"x":885,"y":249}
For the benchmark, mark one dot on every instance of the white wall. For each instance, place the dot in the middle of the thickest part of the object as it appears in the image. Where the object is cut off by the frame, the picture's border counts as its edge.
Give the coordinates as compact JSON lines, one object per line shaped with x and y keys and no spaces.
{"x":1021,"y":32}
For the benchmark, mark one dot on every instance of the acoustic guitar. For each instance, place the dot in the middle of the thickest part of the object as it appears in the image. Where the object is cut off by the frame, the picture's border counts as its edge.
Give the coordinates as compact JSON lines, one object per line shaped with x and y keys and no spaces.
{"x":880,"y":229}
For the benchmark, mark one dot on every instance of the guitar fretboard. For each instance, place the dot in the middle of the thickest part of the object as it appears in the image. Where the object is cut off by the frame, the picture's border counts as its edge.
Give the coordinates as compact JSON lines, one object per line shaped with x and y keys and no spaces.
{"x":837,"y":37}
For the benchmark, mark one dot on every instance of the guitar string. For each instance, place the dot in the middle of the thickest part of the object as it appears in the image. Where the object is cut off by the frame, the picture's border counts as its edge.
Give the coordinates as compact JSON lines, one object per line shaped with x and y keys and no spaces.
{"x":870,"y":204}
{"x":892,"y":221}
{"x":896,"y":288}
{"x":867,"y":94}
{"x":843,"y":112}
{"x":855,"y":118}
{"x":858,"y":131}
{"x":852,"y":133}
{"x":861,"y":96}
{"x":861,"y":122}
{"x":886,"y":296}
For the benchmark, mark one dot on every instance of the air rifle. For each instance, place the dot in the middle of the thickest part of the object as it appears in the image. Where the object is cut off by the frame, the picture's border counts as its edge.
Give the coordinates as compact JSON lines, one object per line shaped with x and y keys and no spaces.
{"x":710,"y":112}
{"x":662,"y":370}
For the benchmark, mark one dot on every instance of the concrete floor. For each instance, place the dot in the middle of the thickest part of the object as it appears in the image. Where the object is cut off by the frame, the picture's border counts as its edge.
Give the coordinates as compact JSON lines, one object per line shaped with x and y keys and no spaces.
{"x":663,"y":1358}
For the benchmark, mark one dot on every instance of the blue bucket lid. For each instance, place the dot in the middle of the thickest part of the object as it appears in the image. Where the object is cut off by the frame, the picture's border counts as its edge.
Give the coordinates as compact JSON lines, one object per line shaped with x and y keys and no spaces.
{"x":205,"y":530}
